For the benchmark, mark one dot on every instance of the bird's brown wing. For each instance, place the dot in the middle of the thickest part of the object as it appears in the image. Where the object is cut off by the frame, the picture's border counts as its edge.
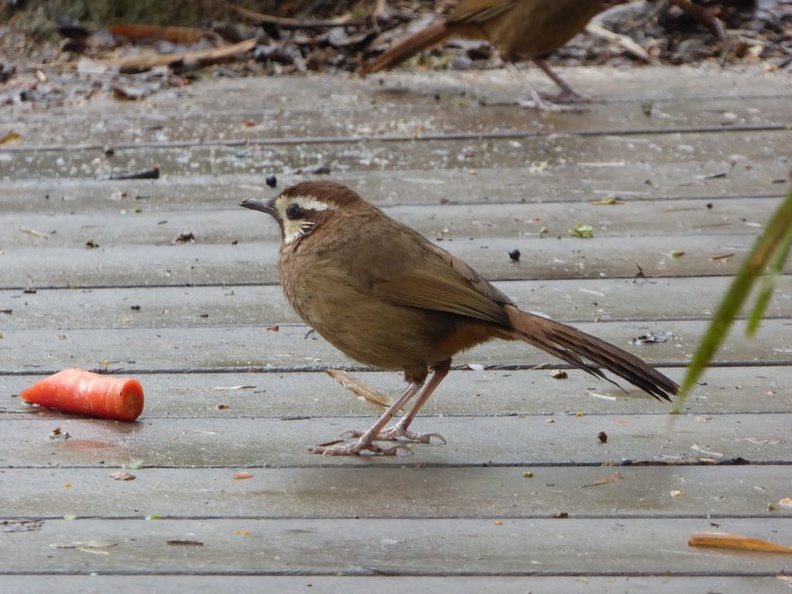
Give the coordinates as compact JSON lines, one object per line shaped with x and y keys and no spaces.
{"x":470,"y":12}
{"x":434,"y":279}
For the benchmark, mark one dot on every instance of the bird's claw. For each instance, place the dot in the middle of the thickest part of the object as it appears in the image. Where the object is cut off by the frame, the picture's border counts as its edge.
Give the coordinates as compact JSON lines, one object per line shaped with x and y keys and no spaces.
{"x":396,"y":433}
{"x":339,"y":448}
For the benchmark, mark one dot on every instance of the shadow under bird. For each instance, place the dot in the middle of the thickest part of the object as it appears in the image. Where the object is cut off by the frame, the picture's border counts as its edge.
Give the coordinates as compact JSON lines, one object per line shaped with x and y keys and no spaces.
{"x":387,"y":297}
{"x":519,"y":30}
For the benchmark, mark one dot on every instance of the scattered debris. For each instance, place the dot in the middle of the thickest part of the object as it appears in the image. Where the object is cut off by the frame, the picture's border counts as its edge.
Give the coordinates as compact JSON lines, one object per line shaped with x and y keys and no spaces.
{"x":241,"y":476}
{"x":185,"y":237}
{"x":612,"y":478}
{"x":148,"y":173}
{"x":33,"y":232}
{"x":514,"y":255}
{"x":609,"y":200}
{"x":602,"y":437}
{"x":723,"y":256}
{"x":185,"y":543}
{"x":559,"y":374}
{"x":95,"y":547}
{"x":527,"y":474}
{"x":122,"y":476}
{"x":10,"y":138}
{"x":20,"y":525}
{"x":652,"y":338}
{"x":271,"y":181}
{"x":582,"y":230}
{"x":58,"y":433}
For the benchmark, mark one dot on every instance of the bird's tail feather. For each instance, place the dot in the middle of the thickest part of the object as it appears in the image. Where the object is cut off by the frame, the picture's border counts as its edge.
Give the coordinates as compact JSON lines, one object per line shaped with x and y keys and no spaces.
{"x":409,"y":47}
{"x":578,"y":348}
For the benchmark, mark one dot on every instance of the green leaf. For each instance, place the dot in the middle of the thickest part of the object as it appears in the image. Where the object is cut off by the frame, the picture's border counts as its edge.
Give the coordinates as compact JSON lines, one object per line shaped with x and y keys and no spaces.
{"x":770,"y":249}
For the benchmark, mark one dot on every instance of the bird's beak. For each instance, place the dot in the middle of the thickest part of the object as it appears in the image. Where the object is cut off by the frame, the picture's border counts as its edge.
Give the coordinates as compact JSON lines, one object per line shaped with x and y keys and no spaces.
{"x":267,"y":207}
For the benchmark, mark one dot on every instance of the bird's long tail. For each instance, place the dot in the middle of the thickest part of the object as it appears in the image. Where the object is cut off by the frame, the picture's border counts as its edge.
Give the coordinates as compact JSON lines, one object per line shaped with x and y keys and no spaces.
{"x":587,"y":352}
{"x":403,"y":50}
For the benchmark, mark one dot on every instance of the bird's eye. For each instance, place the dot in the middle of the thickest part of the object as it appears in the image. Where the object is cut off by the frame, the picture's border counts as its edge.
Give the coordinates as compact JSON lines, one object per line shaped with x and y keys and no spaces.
{"x":293,"y":211}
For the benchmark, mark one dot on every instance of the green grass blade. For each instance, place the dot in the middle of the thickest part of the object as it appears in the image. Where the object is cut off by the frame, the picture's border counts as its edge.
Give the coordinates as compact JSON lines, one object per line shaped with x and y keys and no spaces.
{"x":771,"y":242}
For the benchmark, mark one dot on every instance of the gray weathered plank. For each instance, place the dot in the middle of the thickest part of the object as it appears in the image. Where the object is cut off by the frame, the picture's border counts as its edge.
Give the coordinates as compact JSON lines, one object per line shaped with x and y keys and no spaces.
{"x":664,"y":160}
{"x":470,"y":393}
{"x":512,"y":440}
{"x":209,"y":584}
{"x":407,"y":104}
{"x":572,"y":301}
{"x":243,"y":347}
{"x":392,"y":547}
{"x":400,"y":187}
{"x":120,"y":223}
{"x":721,"y":492}
{"x":213,"y":264}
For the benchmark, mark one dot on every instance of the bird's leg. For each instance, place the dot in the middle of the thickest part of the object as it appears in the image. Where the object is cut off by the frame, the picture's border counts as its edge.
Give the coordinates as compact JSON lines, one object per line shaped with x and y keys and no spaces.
{"x":536,"y":101}
{"x":401,"y":428}
{"x":568,"y":94}
{"x":366,"y":439}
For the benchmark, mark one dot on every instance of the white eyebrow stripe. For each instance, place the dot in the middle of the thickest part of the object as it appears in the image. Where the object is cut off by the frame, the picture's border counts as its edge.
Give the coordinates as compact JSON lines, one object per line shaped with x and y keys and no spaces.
{"x":309,"y":203}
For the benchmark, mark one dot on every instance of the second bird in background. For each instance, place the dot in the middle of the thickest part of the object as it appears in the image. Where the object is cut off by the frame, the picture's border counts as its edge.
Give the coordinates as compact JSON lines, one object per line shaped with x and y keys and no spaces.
{"x":519,"y":30}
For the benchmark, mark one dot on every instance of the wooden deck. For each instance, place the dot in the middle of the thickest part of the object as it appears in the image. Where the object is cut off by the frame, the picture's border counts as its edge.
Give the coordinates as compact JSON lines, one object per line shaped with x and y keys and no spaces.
{"x":449,"y":155}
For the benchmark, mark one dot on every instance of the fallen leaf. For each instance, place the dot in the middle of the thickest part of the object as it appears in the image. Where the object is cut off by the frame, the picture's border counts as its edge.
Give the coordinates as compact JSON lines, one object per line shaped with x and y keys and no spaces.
{"x":616,"y":476}
{"x":10,"y":137}
{"x":240,"y":476}
{"x":85,"y":546}
{"x":582,"y":231}
{"x":724,"y":540}
{"x":610,"y":200}
{"x":358,"y":388}
{"x":122,"y":476}
{"x":21,"y":525}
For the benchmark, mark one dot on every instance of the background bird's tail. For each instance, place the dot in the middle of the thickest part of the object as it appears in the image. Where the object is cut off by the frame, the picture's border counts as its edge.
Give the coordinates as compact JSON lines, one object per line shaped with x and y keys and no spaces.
{"x":409,"y":47}
{"x":578,"y":348}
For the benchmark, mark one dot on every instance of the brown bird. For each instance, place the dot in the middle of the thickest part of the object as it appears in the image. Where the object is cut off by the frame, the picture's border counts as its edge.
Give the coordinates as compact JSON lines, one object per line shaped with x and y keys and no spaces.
{"x":387,"y":297}
{"x":519,"y":29}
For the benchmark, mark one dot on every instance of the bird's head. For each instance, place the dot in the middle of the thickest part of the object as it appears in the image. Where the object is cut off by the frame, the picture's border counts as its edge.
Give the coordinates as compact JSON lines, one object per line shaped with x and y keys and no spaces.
{"x":301,"y":208}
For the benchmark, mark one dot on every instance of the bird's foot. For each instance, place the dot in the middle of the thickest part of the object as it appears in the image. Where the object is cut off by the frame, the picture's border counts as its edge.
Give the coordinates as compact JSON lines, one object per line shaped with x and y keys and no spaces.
{"x":555,"y":106}
{"x":543,"y":105}
{"x":341,"y":448}
{"x":396,"y":433}
{"x":571,"y":97}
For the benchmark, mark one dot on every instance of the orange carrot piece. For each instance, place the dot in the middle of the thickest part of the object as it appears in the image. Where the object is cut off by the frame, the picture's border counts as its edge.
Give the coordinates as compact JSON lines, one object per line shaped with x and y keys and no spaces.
{"x":724,"y":540}
{"x":82,"y":392}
